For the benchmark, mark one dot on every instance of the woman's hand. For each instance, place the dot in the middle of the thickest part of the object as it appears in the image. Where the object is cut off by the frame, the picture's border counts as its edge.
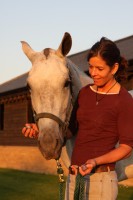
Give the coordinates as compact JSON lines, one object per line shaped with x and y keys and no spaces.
{"x":87,"y":167}
{"x":74,"y":169}
{"x":30,"y":130}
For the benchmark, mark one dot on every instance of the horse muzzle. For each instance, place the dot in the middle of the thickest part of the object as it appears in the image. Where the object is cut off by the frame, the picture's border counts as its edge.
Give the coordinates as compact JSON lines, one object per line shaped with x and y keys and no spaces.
{"x":49,"y":146}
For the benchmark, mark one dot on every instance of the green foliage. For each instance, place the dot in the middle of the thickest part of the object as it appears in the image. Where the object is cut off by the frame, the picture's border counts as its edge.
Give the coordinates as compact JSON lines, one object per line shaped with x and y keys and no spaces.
{"x":19,"y":185}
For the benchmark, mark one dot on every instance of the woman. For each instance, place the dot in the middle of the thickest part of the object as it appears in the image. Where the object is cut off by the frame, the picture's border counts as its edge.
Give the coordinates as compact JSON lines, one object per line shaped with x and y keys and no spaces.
{"x":104,"y":116}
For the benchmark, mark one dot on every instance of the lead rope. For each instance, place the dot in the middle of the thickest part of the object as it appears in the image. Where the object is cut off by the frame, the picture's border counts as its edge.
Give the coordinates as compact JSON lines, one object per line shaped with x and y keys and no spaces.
{"x":60,"y":173}
{"x":79,"y":187}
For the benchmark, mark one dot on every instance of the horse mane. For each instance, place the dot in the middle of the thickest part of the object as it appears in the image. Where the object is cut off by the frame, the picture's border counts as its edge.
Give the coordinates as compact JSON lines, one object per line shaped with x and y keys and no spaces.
{"x":78,"y":78}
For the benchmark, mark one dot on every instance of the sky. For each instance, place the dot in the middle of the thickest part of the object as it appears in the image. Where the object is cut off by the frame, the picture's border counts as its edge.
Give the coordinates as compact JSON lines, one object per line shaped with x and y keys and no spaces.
{"x":43,"y":23}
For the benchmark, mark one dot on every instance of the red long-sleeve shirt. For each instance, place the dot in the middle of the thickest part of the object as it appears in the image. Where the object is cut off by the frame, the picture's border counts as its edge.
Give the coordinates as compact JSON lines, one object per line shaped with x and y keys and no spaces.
{"x":101,"y":126}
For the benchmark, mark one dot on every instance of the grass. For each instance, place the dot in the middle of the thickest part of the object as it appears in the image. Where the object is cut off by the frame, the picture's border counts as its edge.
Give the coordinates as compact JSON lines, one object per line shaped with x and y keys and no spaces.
{"x":125,"y":193}
{"x":19,"y":185}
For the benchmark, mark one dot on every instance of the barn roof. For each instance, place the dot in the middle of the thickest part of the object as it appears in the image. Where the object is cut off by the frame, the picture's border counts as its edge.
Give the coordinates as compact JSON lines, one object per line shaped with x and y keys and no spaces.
{"x":125,"y":45}
{"x":14,"y":84}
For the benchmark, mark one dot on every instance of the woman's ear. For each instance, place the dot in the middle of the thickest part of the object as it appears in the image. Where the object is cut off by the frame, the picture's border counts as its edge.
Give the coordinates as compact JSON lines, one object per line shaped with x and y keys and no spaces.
{"x":115,"y":68}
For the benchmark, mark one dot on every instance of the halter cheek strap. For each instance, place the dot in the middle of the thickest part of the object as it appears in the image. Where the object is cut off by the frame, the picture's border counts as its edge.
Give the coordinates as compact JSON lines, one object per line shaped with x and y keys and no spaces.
{"x":64,"y":125}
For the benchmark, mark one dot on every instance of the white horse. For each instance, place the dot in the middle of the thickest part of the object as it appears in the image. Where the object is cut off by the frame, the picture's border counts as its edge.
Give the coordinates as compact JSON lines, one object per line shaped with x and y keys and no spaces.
{"x":54,"y":83}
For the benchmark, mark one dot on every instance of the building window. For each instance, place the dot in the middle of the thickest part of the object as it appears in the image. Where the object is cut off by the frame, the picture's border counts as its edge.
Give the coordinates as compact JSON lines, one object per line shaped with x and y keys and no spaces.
{"x":1,"y":116}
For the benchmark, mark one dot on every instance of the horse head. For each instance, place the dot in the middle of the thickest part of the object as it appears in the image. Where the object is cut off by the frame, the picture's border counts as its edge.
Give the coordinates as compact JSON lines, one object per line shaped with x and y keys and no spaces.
{"x":49,"y":84}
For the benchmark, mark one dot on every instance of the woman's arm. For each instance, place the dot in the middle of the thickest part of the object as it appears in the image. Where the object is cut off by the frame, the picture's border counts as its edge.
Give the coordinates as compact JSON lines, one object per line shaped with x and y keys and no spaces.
{"x":121,"y":152}
{"x":117,"y":154}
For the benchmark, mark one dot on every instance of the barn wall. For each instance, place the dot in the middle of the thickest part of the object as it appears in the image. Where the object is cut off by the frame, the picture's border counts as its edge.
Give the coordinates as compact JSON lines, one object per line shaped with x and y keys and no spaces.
{"x":15,"y":116}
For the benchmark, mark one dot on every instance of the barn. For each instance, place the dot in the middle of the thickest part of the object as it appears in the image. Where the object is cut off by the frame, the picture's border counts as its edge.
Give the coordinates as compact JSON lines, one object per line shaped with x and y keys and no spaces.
{"x":15,"y":110}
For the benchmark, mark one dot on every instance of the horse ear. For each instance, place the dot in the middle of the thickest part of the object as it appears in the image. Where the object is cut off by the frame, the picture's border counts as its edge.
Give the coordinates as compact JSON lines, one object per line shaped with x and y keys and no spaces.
{"x":29,"y":52}
{"x":65,"y":45}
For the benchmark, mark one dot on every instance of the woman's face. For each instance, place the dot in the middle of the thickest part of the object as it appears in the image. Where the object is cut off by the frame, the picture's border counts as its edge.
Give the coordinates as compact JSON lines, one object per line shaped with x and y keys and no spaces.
{"x":100,"y":72}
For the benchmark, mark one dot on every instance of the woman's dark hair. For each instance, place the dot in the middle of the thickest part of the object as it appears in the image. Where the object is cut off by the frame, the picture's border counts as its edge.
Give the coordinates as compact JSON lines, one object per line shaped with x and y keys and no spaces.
{"x":110,"y":53}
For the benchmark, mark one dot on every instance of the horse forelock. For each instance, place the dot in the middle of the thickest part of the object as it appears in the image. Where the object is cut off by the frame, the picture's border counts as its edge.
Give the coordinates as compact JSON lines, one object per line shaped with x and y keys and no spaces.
{"x":46,"y":52}
{"x":52,"y":67}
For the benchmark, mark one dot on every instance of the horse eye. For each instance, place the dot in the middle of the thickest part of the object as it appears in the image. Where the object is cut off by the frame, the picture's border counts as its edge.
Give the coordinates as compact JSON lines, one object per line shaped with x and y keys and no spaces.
{"x":67,"y":83}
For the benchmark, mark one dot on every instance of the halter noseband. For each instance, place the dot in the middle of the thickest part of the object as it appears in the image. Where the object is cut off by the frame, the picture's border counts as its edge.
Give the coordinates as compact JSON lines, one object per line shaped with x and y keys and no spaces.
{"x":50,"y":116}
{"x":64,"y":125}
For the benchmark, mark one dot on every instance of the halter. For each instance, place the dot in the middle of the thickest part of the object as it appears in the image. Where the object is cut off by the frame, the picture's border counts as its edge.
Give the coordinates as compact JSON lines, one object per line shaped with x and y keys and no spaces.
{"x":64,"y":125}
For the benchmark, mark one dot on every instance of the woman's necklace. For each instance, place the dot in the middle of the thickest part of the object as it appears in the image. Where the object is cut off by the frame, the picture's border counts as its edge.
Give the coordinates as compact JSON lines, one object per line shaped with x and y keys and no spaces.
{"x":97,"y":100}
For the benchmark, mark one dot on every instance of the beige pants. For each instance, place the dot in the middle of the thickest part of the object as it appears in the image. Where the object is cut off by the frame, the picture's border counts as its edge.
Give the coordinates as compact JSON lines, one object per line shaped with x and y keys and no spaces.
{"x":98,"y":186}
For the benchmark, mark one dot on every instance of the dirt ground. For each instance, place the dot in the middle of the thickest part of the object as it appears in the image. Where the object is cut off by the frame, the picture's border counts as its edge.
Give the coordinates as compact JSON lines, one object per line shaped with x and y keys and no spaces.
{"x":27,"y":159}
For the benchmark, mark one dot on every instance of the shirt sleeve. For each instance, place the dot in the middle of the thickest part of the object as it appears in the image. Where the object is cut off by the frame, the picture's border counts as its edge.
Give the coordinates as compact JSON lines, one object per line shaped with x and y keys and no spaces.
{"x":125,"y":121}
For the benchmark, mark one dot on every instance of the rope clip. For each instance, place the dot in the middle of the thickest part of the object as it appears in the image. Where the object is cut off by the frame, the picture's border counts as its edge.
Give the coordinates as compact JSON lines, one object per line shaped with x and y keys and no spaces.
{"x":60,"y":172}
